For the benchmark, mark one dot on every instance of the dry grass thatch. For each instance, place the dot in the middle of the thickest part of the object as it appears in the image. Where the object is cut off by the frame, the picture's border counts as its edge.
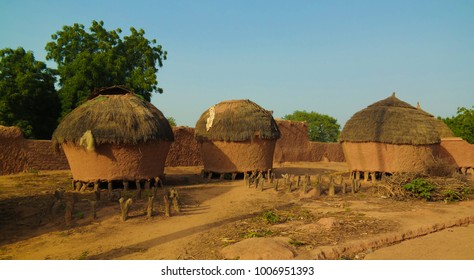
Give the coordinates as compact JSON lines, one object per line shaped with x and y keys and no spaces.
{"x":236,"y":120}
{"x":395,"y":122}
{"x":114,"y":115}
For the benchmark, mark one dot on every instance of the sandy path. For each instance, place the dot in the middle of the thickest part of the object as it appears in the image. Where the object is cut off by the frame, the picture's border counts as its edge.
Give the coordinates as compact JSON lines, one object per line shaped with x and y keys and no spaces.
{"x":450,"y":244}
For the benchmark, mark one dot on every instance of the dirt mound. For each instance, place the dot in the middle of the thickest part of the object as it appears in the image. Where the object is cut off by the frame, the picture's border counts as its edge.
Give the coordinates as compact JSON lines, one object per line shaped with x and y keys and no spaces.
{"x":277,"y":248}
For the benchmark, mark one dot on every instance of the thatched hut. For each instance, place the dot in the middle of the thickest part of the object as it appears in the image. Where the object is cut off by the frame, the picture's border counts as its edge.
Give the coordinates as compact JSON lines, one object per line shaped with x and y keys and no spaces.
{"x":236,"y":136}
{"x":391,"y":136}
{"x":115,"y":135}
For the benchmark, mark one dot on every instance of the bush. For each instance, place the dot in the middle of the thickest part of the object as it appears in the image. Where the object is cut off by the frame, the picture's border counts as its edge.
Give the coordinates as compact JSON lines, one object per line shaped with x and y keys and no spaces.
{"x":271,"y":217}
{"x":420,"y":188}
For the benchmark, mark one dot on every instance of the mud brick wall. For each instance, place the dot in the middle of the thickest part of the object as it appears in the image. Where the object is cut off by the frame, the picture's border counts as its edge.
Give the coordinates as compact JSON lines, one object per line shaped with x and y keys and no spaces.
{"x":18,"y":154}
{"x":12,"y":155}
{"x":184,"y":151}
{"x":41,"y":156}
{"x":294,"y":145}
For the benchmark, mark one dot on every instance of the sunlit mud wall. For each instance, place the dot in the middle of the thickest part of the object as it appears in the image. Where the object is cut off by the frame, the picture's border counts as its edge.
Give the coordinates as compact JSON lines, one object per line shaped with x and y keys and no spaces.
{"x":18,"y":154}
{"x":458,"y":151}
{"x":294,"y":145}
{"x":184,"y":150}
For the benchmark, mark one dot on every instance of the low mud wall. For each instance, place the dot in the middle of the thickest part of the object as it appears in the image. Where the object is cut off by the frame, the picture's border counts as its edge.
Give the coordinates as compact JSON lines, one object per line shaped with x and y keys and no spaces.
{"x":12,"y":155}
{"x":458,"y":151}
{"x":184,"y":151}
{"x":294,"y":145}
{"x":18,"y":154}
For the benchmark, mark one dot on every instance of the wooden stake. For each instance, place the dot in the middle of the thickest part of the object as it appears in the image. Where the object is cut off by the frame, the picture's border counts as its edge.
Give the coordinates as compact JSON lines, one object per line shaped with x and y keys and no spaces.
{"x":93,"y":208}
{"x":318,"y":188}
{"x":332,"y":190}
{"x":149,"y":208}
{"x":276,"y":184}
{"x":344,"y":187}
{"x":139,"y":189}
{"x":167,"y":205}
{"x":68,"y":213}
{"x":125,"y":207}
{"x":175,"y":199}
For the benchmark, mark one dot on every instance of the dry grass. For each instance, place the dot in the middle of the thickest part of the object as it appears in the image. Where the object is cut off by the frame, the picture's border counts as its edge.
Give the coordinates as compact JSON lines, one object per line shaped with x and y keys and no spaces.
{"x":122,"y":118}
{"x":454,"y":188}
{"x":395,"y":122}
{"x":237,"y":120}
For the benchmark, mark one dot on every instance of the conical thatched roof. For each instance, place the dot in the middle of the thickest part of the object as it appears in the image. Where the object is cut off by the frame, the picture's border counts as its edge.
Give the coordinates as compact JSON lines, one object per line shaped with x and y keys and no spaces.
{"x":236,"y":120}
{"x":395,"y":122}
{"x":114,"y":115}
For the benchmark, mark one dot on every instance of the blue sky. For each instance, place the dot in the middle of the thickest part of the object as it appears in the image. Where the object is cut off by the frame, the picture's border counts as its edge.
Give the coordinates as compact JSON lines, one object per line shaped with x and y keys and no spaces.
{"x":332,"y":57}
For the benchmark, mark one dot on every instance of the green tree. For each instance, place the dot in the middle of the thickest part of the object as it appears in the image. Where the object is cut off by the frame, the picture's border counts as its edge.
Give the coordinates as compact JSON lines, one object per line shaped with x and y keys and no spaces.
{"x":28,"y":98}
{"x":172,"y":121}
{"x":321,"y":128}
{"x":462,"y":124}
{"x":101,"y":58}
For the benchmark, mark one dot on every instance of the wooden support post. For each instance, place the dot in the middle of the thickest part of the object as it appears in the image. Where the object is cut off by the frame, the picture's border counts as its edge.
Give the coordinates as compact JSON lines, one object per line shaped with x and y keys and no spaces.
{"x":147,"y":185}
{"x":353,"y":185}
{"x":262,"y":184}
{"x":84,"y":186}
{"x":167,"y":205}
{"x":289,"y":187}
{"x":234,"y":175}
{"x":259,"y":179}
{"x":298,"y":180}
{"x":344,"y":187}
{"x":125,"y":207}
{"x":269,"y":176}
{"x":221,"y":176}
{"x":209,"y":176}
{"x":276,"y":184}
{"x":272,"y":177}
{"x":125,"y":185}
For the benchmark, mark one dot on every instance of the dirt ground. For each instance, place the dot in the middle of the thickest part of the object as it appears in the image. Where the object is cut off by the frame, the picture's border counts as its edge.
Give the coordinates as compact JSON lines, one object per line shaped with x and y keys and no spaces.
{"x":225,"y":219}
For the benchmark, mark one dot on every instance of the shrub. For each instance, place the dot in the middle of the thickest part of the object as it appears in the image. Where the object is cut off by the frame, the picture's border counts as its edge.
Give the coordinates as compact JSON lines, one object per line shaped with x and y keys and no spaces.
{"x":271,"y":217}
{"x":420,"y":188}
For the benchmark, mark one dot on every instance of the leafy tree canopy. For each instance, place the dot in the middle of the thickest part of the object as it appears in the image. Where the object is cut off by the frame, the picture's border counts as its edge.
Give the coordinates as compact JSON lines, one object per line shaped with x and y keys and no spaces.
{"x":172,"y":121}
{"x":321,"y":128}
{"x":101,"y":58}
{"x":28,"y":98}
{"x":462,"y":124}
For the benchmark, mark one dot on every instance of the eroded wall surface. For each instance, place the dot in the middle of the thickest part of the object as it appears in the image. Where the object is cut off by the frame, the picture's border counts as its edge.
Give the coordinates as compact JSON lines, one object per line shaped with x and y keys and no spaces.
{"x":184,"y":150}
{"x":459,"y":151}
